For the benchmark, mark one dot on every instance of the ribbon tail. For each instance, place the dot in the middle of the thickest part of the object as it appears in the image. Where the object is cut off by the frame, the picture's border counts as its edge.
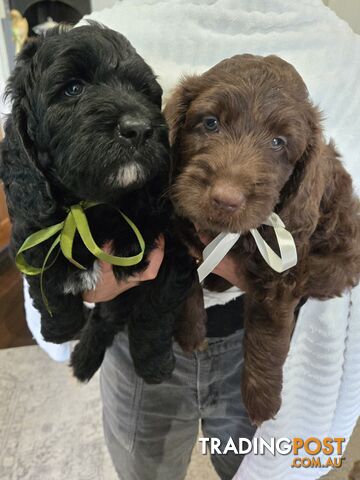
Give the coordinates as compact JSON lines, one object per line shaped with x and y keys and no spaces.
{"x":44,"y":268}
{"x":287,"y":247}
{"x":215,"y":252}
{"x":220,"y":246}
{"x":67,"y":240}
{"x":32,"y":241}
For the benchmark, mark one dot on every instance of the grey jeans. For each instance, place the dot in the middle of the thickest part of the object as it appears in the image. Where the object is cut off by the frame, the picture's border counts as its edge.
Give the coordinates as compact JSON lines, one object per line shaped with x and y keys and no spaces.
{"x":150,"y":430}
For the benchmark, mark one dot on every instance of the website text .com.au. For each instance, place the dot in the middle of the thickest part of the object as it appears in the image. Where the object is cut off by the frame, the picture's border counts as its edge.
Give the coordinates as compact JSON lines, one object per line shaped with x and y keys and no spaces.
{"x":311,"y":452}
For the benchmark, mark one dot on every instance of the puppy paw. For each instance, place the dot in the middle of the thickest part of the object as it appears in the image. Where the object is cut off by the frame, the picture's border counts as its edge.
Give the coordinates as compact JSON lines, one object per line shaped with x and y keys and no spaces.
{"x":261,"y":401}
{"x":191,"y":330}
{"x":156,"y":370}
{"x":85,"y":363}
{"x":194,"y":339}
{"x":55,"y":335}
{"x":61,"y":328}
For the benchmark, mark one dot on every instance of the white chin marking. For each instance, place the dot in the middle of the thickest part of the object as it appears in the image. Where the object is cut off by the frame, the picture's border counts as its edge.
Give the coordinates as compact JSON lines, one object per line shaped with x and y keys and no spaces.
{"x":83,"y":281}
{"x":130,"y":174}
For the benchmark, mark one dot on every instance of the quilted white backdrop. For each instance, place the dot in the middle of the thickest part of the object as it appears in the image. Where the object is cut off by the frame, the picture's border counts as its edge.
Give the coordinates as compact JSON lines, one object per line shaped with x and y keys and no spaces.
{"x":322,"y":374}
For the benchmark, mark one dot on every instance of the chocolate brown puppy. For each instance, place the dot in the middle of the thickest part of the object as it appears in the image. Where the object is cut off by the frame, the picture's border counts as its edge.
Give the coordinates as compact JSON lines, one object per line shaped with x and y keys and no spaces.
{"x":247,"y":141}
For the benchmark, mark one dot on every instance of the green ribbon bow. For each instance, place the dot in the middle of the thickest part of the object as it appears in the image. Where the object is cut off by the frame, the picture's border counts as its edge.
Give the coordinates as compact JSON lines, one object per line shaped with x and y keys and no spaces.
{"x":75,"y":221}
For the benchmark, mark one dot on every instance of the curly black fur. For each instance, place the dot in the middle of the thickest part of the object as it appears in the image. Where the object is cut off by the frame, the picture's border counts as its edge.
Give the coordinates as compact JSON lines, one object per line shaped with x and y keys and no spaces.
{"x":63,"y":144}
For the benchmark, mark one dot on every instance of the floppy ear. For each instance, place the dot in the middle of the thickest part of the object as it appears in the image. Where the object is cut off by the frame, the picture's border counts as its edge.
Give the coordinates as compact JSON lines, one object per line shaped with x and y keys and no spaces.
{"x":178,"y":104}
{"x":175,"y":115}
{"x":27,"y":191}
{"x":289,"y":76}
{"x":302,"y":194}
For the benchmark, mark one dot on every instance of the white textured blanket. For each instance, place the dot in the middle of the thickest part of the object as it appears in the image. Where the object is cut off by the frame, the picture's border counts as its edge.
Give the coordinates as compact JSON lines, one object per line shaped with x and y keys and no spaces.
{"x":322,"y":374}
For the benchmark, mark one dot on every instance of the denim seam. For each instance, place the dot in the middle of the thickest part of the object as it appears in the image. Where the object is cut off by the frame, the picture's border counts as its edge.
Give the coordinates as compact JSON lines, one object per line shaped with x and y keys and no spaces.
{"x":222,"y":347}
{"x":135,"y":408}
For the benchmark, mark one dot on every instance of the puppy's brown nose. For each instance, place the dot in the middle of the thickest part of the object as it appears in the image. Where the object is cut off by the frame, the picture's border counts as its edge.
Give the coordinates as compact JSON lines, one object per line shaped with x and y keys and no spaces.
{"x":227,"y":198}
{"x":134,"y":129}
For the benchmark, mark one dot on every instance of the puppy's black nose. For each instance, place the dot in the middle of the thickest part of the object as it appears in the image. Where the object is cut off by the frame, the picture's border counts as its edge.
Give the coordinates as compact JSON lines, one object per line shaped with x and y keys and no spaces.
{"x":135,"y":129}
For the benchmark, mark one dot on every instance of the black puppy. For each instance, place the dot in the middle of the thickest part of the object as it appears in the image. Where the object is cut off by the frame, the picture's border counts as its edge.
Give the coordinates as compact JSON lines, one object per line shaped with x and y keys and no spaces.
{"x":86,"y":125}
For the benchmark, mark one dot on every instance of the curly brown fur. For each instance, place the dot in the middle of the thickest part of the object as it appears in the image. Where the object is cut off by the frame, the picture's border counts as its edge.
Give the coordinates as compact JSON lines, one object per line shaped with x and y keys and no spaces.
{"x":230,"y":174}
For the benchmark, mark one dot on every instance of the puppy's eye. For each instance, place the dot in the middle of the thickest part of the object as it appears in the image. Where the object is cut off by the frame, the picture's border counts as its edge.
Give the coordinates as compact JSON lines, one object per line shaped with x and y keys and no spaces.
{"x":278,"y":143}
{"x":211,"y":124}
{"x":74,"y":89}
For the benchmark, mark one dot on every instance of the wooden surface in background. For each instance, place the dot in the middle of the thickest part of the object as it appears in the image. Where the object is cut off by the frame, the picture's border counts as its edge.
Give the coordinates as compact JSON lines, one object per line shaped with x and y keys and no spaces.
{"x":4,"y":220}
{"x":13,"y":328}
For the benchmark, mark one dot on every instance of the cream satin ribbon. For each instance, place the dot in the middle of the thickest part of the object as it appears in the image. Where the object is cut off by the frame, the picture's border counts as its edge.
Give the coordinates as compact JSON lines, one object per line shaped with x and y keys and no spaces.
{"x":220,"y":246}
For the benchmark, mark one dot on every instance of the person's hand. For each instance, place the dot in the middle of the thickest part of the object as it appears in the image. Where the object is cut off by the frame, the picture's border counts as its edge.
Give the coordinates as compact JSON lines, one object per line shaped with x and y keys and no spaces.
{"x":108,"y":287}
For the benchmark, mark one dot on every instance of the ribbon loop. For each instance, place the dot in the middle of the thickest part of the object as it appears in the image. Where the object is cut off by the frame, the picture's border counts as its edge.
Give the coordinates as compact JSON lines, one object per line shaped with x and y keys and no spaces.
{"x":67,"y":239}
{"x":221,"y":245}
{"x":288,"y":254}
{"x":75,"y":221}
{"x":83,"y":228}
